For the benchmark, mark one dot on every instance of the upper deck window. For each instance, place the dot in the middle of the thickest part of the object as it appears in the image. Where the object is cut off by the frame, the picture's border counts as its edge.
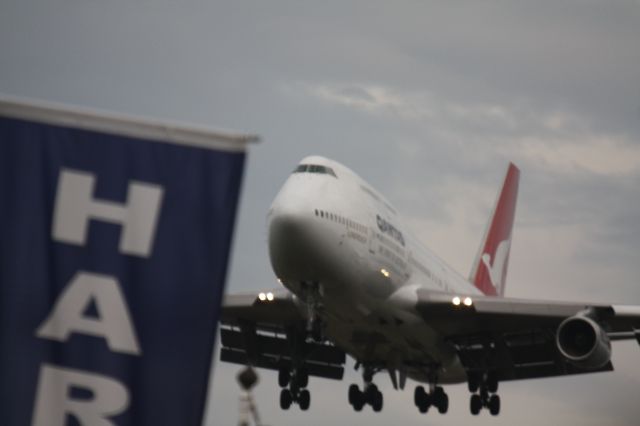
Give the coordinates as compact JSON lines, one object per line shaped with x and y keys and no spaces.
{"x":314,"y":168}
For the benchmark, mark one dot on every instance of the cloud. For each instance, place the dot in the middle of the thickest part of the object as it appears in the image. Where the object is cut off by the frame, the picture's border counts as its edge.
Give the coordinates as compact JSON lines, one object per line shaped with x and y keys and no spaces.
{"x":419,"y":106}
{"x":597,"y":154}
{"x":373,"y":99}
{"x":559,"y":141}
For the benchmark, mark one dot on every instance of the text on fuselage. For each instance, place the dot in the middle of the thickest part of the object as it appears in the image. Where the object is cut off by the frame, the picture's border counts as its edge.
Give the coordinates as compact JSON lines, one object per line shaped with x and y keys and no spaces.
{"x":390,"y":230}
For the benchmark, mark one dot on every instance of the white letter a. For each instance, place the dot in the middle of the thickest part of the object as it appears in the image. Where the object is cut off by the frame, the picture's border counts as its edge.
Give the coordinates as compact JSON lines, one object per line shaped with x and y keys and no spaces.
{"x":113,"y":322}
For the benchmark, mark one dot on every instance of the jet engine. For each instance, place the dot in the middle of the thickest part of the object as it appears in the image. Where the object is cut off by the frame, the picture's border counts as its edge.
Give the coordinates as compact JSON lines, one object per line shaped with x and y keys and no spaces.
{"x":583,"y":342}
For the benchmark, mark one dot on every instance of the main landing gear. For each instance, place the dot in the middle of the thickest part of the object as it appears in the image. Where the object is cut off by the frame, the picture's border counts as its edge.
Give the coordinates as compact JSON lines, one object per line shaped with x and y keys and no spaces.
{"x":483,"y":387}
{"x":436,"y":397}
{"x":294,"y":383}
{"x":369,"y":395}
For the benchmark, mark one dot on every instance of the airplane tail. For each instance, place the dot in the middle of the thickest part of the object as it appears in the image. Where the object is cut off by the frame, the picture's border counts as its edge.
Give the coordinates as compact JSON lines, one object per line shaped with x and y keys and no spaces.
{"x":489,"y":271}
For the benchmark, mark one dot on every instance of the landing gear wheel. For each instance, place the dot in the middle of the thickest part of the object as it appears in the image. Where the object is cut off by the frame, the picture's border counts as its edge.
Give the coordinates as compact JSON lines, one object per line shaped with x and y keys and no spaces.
{"x":304,"y":399}
{"x":475,"y":404}
{"x":285,"y":399}
{"x":494,"y":405}
{"x":419,"y":395}
{"x":421,"y":399}
{"x":354,"y":394}
{"x":358,"y":401}
{"x":370,"y":393}
{"x":445,"y":405}
{"x":441,"y":400}
{"x":377,"y":401}
{"x":284,"y":377}
{"x":356,"y":398}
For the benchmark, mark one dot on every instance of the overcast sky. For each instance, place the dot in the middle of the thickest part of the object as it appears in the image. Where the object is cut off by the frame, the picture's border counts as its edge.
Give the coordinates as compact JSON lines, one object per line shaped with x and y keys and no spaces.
{"x":428,"y":101}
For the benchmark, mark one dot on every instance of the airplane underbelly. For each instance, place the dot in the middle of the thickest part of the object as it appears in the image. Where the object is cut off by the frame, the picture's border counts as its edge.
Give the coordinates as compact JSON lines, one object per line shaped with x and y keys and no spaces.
{"x":415,"y":348}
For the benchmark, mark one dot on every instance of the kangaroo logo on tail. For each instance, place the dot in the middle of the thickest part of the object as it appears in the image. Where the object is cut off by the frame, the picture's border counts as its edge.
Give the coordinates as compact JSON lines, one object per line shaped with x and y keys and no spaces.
{"x":497,"y":268}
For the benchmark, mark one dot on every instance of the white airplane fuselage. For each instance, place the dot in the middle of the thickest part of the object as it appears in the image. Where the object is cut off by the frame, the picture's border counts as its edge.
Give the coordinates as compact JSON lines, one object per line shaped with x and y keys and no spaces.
{"x":336,"y":240}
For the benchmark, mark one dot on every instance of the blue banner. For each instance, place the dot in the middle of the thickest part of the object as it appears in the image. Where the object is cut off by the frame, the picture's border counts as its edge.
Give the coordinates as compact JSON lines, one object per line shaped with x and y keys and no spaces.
{"x":113,"y":255}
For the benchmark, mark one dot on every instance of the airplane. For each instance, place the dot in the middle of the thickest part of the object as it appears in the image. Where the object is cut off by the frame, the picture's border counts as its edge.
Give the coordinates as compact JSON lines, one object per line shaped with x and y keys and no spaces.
{"x":355,"y":281}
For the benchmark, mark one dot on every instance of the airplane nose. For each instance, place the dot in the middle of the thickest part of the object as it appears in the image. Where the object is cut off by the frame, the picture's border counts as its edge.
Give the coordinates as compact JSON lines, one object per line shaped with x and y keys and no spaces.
{"x":291,"y":240}
{"x":289,"y":227}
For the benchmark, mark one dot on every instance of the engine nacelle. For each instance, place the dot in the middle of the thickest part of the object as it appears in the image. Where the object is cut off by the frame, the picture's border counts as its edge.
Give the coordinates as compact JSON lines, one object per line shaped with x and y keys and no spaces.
{"x":583,"y":342}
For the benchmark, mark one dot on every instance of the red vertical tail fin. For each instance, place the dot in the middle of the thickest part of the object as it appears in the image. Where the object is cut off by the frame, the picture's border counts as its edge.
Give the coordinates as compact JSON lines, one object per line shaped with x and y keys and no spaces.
{"x":489,"y":270}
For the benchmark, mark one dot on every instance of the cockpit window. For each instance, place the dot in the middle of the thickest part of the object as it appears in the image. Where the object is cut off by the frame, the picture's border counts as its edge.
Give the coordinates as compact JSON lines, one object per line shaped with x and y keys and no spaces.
{"x":314,"y":168}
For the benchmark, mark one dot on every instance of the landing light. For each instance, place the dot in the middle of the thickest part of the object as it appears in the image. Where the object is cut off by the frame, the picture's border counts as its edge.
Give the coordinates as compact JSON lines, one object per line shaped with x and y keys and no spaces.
{"x":266,"y":297}
{"x":467,"y":301}
{"x":456,"y":301}
{"x":384,"y":272}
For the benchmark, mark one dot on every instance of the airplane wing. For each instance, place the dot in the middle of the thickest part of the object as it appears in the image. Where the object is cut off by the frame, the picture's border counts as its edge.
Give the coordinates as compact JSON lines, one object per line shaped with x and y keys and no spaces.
{"x":266,"y":330}
{"x":517,"y":338}
{"x":277,"y":312}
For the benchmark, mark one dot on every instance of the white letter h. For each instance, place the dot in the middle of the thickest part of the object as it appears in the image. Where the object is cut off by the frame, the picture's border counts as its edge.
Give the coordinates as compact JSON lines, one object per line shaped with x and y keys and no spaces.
{"x":75,"y":206}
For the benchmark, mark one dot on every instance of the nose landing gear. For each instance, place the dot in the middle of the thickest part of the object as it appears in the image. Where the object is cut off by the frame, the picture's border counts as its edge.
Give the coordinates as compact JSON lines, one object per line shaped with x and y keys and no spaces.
{"x":313,"y":296}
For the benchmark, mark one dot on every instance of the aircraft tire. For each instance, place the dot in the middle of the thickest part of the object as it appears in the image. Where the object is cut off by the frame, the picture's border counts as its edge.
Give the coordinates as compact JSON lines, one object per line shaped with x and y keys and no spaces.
{"x":304,"y":400}
{"x":370,"y":394}
{"x":475,"y":404}
{"x":377,"y":402}
{"x":285,"y":399}
{"x":358,"y":401}
{"x":443,"y":403}
{"x":494,"y":405}
{"x":354,"y":393}
{"x":419,"y":396}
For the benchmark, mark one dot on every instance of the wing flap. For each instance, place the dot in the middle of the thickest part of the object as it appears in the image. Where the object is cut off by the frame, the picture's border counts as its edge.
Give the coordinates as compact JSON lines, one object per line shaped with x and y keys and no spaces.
{"x":273,"y":351}
{"x":279,"y":347}
{"x":265,"y":331}
{"x":517,"y":356}
{"x":515,"y":338}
